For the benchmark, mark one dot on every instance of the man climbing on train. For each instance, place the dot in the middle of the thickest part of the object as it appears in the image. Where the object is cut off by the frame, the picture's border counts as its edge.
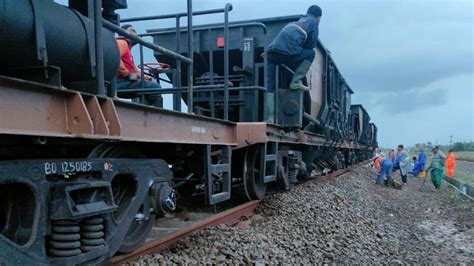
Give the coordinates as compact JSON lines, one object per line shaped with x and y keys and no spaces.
{"x":294,"y":47}
{"x":129,"y":77}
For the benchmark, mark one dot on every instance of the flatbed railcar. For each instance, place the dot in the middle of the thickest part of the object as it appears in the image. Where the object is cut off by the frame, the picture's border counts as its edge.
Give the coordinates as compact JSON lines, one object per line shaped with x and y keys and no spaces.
{"x":84,"y":174}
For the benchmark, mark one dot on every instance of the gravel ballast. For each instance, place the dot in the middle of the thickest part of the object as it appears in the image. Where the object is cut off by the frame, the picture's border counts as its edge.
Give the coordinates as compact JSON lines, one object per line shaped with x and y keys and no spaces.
{"x":343,"y":220}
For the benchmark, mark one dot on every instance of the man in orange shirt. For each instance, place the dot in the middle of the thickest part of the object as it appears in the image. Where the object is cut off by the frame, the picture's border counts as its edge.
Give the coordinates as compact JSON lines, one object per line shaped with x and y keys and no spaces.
{"x":386,"y":166}
{"x":451,"y":163}
{"x":129,"y":76}
{"x":378,"y":163}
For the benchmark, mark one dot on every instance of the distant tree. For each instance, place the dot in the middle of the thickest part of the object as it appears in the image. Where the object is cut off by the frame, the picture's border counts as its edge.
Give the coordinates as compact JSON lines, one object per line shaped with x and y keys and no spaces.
{"x":458,"y":146}
{"x":469,"y":146}
{"x":429,"y":145}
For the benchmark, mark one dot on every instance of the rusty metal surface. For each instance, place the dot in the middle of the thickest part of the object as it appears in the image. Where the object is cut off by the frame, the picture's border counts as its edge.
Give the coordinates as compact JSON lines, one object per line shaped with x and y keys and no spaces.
{"x":110,"y":114}
{"x":41,"y":110}
{"x":250,"y":133}
{"x":229,"y":217}
{"x":259,"y":132}
{"x":98,"y":120}
{"x":148,"y":124}
{"x":28,"y":108}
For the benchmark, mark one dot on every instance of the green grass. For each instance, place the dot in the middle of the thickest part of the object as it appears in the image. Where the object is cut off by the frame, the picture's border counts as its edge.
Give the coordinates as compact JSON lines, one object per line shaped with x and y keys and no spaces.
{"x":465,"y":177}
{"x":465,"y":155}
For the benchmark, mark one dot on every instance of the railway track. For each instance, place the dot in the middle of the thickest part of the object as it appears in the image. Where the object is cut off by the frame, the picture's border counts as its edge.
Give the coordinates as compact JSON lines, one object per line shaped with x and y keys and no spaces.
{"x":465,"y":160}
{"x":229,"y":217}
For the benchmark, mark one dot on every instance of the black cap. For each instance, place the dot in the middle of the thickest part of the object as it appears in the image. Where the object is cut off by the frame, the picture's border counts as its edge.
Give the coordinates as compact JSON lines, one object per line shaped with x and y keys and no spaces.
{"x":315,"y":11}
{"x":400,"y":146}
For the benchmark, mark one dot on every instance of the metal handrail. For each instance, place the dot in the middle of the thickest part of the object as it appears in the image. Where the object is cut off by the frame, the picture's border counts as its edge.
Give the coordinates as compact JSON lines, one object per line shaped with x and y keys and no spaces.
{"x":150,"y":45}
{"x":178,"y":16}
{"x":202,"y":88}
{"x":207,"y":27}
{"x":168,"y":16}
{"x":228,"y":7}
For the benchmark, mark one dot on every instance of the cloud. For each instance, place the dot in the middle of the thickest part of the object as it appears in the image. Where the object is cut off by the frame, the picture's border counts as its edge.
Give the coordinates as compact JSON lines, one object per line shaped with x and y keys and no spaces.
{"x":398,"y":46}
{"x":412,"y":100}
{"x":435,"y":111}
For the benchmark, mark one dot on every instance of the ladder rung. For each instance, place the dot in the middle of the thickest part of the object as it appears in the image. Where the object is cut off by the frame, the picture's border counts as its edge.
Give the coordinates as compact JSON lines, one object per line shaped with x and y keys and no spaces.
{"x":270,"y":157}
{"x":219,"y":197}
{"x":269,"y":178}
{"x":220,"y":168}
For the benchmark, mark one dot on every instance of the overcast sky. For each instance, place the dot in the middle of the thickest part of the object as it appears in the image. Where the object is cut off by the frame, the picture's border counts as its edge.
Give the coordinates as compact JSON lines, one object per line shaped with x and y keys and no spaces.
{"x":410,"y":62}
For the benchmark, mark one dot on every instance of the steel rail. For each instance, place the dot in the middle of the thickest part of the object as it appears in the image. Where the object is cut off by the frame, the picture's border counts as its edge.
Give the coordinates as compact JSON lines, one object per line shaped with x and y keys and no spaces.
{"x":335,"y":174}
{"x":229,"y":217}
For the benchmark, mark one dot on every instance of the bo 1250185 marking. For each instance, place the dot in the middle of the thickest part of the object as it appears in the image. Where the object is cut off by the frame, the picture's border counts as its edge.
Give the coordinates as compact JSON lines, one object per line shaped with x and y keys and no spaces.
{"x":67,"y":167}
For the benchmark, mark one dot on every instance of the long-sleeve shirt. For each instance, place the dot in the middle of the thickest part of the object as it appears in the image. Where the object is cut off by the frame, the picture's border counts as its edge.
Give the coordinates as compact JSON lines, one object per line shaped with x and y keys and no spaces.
{"x":127,"y":64}
{"x":437,"y":161}
{"x":451,"y":164}
{"x":403,"y":159}
{"x":378,"y":164}
{"x":451,"y":160}
{"x":421,"y":159}
{"x":295,"y":37}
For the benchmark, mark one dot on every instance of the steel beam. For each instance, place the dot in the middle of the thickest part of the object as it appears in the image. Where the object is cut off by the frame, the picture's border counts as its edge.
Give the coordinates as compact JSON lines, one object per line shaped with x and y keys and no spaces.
{"x":33,"y":109}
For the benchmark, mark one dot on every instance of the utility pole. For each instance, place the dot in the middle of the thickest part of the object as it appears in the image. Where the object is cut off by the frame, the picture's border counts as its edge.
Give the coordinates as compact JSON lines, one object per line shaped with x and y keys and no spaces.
{"x":451,"y":140}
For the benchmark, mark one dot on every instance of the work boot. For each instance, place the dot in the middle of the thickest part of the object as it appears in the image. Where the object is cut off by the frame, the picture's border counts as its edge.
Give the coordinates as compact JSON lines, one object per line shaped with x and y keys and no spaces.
{"x":299,"y":75}
{"x":269,"y":107}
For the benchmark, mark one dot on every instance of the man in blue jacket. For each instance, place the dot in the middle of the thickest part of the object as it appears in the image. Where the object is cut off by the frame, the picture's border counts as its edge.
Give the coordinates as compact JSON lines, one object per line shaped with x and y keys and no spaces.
{"x":420,"y":163}
{"x":294,"y":47}
{"x":403,"y":162}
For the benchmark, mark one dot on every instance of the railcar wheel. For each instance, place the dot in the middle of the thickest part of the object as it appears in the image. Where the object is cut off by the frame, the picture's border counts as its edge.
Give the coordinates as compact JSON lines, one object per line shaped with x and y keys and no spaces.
{"x":255,"y":187}
{"x":139,"y":229}
{"x":144,"y":219}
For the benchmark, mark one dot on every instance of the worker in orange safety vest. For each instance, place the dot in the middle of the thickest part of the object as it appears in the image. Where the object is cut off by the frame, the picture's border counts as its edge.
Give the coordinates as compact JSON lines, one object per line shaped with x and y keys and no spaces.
{"x":378,"y":163}
{"x":451,"y":163}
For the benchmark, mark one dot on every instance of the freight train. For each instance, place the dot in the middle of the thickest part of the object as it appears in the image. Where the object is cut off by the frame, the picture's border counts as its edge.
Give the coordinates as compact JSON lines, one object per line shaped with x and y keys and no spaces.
{"x":85,"y":174}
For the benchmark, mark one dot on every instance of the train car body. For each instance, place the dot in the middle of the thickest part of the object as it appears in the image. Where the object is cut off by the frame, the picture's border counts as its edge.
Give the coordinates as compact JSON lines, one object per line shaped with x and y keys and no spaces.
{"x":328,"y":101}
{"x":373,"y":136}
{"x":84,"y":174}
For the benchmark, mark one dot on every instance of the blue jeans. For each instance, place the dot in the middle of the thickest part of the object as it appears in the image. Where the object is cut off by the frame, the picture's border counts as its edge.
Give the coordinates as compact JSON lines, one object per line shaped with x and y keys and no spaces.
{"x":124,"y":84}
{"x":275,"y":58}
{"x":386,"y":166}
